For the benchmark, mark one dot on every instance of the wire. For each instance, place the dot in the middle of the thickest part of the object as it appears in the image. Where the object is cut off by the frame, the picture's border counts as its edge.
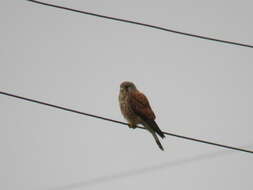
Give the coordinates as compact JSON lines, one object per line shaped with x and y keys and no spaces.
{"x":143,"y":24}
{"x":120,"y":122}
{"x":142,"y":170}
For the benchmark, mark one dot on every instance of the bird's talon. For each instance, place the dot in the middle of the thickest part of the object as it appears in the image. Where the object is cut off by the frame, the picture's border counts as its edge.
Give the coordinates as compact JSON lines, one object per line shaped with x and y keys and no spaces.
{"x":131,"y":126}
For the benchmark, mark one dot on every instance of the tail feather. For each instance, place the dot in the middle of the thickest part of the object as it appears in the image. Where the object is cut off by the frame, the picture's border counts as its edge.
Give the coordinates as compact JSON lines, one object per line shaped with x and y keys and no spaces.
{"x":157,"y":141}
{"x":152,"y":130}
{"x":156,"y":128}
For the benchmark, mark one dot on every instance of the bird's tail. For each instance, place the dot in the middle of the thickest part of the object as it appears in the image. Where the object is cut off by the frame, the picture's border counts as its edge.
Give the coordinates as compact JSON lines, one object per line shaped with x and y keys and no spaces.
{"x":155,"y":128}
{"x":157,"y":141}
{"x":153,"y":132}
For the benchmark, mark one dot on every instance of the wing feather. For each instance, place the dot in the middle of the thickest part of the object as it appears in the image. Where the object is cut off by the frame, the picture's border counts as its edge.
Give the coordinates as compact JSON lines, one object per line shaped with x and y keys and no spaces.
{"x":140,"y":105}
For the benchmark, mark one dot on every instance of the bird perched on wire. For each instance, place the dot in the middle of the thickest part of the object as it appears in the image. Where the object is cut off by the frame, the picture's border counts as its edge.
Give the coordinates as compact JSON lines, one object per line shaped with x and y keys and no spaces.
{"x":136,"y":109}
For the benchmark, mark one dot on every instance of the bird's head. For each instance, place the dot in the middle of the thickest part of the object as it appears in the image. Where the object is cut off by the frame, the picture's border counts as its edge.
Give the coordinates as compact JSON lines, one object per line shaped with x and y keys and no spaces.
{"x":127,"y":86}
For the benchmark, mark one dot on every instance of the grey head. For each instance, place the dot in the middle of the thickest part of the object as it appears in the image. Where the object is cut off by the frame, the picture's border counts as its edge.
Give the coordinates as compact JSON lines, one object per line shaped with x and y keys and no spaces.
{"x":127,"y":86}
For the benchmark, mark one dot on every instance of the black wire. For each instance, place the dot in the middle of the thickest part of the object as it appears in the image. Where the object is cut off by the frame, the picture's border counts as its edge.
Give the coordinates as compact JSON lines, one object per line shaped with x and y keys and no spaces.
{"x":141,"y":171}
{"x":143,"y":24}
{"x":123,"y":123}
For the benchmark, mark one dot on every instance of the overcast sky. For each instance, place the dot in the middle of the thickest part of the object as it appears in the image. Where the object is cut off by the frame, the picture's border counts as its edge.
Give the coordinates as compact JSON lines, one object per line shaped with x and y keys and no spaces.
{"x":196,"y":88}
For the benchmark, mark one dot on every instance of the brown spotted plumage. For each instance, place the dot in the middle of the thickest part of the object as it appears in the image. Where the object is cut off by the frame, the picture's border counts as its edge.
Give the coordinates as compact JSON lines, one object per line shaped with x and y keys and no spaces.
{"x":136,"y":110}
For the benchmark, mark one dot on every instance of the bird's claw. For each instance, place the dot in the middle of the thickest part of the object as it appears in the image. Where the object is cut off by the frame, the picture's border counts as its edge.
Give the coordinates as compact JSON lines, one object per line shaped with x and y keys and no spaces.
{"x":132,"y":126}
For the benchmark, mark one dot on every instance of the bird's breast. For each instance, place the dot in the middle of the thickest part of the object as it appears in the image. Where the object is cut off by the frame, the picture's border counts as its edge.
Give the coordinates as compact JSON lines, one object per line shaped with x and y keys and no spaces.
{"x":128,"y":113}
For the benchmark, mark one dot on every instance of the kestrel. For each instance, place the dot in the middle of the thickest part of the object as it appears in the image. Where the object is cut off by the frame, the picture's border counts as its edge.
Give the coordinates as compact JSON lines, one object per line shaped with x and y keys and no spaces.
{"x":136,"y":109}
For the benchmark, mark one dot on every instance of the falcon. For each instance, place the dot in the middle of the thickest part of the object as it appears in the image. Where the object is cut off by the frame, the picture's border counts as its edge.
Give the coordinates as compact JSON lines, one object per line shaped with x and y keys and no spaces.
{"x":136,"y":109}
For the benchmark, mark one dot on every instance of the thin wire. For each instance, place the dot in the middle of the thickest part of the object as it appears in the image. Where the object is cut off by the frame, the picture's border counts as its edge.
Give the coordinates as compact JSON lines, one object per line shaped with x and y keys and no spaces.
{"x":143,"y":24}
{"x":123,"y":123}
{"x":142,"y":170}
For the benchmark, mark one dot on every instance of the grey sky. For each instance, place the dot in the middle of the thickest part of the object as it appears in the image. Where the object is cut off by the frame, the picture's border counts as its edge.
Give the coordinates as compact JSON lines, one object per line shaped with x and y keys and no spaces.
{"x":197,"y":88}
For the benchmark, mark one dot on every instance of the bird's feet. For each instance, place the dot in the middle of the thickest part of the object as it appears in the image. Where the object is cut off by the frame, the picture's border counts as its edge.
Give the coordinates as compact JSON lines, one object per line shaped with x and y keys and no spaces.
{"x":131,"y":126}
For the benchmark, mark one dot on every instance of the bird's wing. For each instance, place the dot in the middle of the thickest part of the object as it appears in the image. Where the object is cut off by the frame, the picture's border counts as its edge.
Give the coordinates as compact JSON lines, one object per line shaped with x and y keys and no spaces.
{"x":140,"y":105}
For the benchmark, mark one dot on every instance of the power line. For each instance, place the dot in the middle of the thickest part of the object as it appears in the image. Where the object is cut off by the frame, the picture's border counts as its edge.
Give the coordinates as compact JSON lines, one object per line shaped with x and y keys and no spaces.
{"x":122,"y":123}
{"x":143,"y":24}
{"x":141,"y":171}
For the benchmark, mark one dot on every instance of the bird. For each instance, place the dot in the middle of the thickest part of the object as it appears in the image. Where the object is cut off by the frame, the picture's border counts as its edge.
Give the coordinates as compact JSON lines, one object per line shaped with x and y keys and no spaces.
{"x":136,"y":109}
